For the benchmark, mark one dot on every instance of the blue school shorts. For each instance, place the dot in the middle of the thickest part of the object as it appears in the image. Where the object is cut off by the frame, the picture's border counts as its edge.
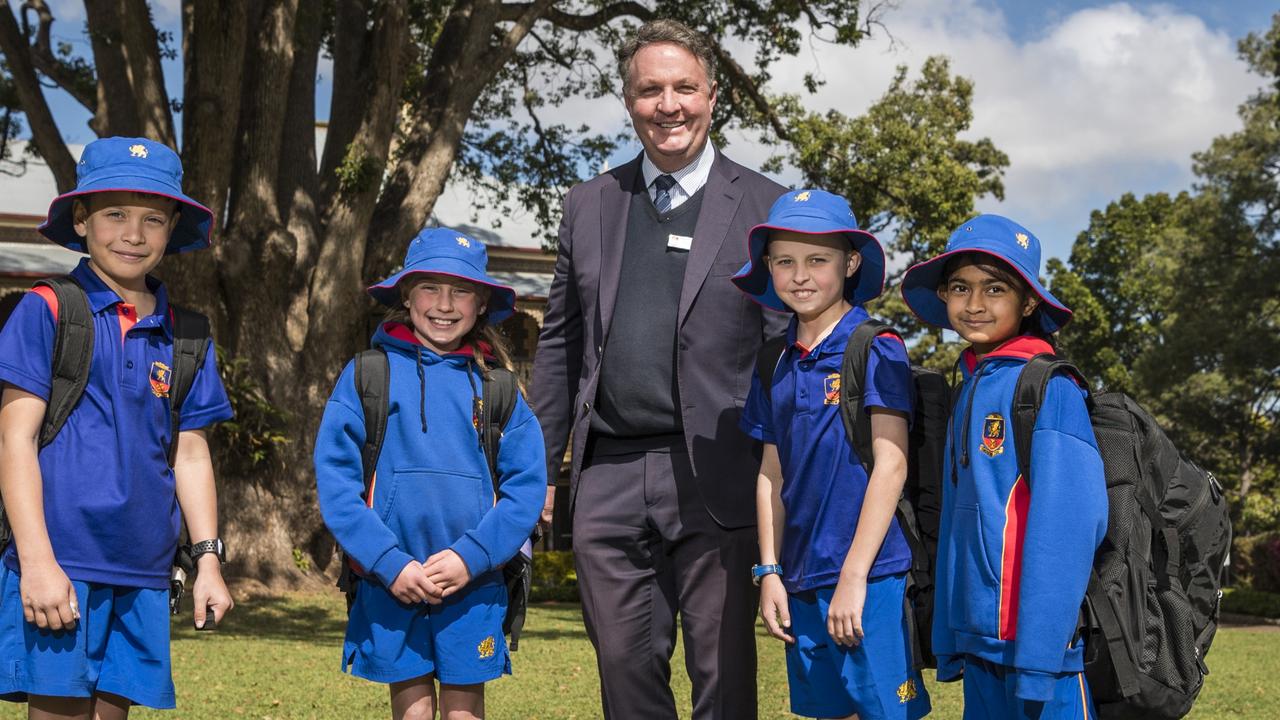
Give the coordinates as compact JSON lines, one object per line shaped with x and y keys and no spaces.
{"x":989,"y":693}
{"x":120,"y":646}
{"x":874,"y":678}
{"x":459,"y":640}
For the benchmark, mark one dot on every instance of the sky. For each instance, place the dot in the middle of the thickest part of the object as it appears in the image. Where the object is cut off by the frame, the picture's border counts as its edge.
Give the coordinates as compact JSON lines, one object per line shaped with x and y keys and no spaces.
{"x":1089,"y":99}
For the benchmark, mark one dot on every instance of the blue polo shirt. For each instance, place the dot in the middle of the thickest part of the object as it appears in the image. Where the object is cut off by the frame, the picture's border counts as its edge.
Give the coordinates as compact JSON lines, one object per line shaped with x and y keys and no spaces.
{"x":109,"y":499}
{"x":823,"y":481}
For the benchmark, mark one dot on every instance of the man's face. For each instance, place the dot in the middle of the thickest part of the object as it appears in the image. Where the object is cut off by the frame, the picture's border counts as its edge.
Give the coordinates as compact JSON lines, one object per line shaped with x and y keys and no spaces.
{"x":670,"y":101}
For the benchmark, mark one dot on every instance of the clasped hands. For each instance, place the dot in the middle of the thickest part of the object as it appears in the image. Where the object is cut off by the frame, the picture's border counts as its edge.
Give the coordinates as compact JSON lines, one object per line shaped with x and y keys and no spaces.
{"x":431,"y":582}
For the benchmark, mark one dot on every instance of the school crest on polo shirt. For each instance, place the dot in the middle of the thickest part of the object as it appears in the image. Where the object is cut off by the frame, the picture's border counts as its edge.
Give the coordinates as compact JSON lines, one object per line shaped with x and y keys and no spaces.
{"x":831,"y":389}
{"x":485,"y":648}
{"x":993,"y":435}
{"x":161,"y":376}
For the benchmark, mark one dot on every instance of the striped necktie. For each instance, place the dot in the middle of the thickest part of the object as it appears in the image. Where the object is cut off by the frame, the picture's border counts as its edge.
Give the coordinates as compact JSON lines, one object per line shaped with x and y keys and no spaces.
{"x":662,"y":200}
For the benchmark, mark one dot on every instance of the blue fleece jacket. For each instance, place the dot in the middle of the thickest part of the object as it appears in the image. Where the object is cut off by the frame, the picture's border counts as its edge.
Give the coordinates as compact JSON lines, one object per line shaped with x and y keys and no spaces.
{"x":1014,"y":558}
{"x":432,"y":488}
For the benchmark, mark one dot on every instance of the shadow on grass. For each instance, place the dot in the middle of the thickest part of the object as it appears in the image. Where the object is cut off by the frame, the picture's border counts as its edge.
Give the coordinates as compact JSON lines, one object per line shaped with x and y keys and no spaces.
{"x":323,"y":621}
{"x":281,"y":618}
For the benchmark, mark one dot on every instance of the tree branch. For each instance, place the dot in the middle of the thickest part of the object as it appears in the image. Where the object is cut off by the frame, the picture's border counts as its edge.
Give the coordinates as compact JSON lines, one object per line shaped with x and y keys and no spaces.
{"x":43,"y":59}
{"x":513,"y":12}
{"x":741,"y":83}
{"x":44,"y":130}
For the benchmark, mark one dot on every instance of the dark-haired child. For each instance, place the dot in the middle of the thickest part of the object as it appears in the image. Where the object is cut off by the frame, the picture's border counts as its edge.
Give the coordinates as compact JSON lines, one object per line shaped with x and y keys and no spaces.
{"x":1014,"y":556}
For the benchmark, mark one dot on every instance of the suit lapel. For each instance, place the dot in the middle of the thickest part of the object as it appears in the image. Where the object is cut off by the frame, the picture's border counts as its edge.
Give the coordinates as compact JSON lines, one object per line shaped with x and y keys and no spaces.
{"x":615,"y":205}
{"x":719,"y":204}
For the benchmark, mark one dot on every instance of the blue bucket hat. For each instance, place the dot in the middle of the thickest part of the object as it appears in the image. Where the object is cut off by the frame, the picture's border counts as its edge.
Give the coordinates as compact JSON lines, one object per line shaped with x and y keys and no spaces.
{"x":445,"y":251}
{"x":991,"y":235}
{"x":811,"y":212}
{"x":130,"y":165}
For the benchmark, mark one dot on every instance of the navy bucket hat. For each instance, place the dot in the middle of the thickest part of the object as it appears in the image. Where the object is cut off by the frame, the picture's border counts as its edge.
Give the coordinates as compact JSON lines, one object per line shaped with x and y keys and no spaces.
{"x":445,"y":251}
{"x":991,"y":235}
{"x":130,"y":165}
{"x":811,"y":212}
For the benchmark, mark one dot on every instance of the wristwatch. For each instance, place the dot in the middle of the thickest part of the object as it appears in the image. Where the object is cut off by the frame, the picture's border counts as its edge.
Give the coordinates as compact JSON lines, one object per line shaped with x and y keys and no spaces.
{"x":204,"y":547}
{"x":759,"y":571}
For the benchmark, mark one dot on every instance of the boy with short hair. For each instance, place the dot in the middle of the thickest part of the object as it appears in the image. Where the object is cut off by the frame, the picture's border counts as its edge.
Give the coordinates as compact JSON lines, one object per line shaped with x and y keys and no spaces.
{"x":833,"y":559}
{"x":96,"y":513}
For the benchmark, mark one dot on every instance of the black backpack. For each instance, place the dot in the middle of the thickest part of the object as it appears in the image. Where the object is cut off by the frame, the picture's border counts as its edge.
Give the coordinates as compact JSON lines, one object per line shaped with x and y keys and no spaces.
{"x":919,"y":510}
{"x":73,"y":352}
{"x":1151,"y":608}
{"x":497,"y":401}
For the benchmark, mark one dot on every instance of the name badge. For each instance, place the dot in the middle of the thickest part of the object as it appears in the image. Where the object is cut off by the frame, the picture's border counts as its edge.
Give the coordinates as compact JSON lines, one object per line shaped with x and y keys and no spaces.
{"x":679,"y":242}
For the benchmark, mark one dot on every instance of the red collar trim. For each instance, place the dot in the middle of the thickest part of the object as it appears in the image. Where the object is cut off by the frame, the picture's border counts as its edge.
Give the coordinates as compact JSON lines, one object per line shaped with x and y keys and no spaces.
{"x":804,"y":351}
{"x":404,"y":333}
{"x":1023,"y":347}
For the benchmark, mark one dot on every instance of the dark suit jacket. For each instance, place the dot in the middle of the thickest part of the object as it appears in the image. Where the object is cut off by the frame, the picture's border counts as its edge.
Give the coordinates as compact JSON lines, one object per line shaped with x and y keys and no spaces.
{"x":720,"y":329}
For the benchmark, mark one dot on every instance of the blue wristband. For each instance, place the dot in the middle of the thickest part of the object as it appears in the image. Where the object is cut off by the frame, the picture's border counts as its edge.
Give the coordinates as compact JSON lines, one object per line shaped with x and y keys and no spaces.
{"x":759,"y":571}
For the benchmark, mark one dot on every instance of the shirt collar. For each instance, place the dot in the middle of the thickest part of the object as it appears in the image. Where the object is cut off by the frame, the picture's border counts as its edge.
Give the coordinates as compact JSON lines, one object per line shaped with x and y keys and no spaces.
{"x":101,"y":296}
{"x":835,"y":340}
{"x":1021,"y":347}
{"x":690,"y":178}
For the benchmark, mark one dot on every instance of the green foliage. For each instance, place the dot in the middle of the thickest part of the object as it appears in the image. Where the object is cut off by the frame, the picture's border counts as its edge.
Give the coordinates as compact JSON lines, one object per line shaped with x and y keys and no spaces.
{"x":1243,"y":601}
{"x":358,"y":172}
{"x":1177,"y":302}
{"x":252,"y":439}
{"x":554,"y":577}
{"x":1255,"y":562}
{"x":301,"y":560}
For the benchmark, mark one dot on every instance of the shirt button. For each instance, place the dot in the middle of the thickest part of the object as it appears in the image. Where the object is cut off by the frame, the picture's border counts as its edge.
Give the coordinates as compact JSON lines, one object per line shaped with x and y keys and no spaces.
{"x":129,"y":364}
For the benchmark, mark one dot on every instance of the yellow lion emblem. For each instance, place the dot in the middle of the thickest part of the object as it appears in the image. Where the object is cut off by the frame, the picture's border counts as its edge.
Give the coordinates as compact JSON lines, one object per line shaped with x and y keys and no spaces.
{"x":907,"y":691}
{"x":463,"y":242}
{"x":485,"y":648}
{"x":801,"y":197}
{"x":138,"y":151}
{"x":1022,"y":239}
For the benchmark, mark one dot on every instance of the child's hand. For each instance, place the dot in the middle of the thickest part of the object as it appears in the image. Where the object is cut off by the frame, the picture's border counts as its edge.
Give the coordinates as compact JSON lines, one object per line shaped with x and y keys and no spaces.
{"x":412,"y":586}
{"x":48,"y":597}
{"x":844,"y":617}
{"x":775,"y":608}
{"x":209,"y":591}
{"x":447,"y":570}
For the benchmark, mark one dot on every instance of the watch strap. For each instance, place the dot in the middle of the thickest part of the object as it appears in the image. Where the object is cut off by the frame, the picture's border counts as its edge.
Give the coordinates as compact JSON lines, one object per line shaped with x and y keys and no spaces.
{"x":205,"y":547}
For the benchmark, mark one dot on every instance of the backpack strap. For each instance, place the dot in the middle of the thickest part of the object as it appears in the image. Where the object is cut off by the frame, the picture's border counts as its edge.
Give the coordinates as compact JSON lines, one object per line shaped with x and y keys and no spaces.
{"x":190,"y":346}
{"x":373,"y":382}
{"x":498,"y":400}
{"x":853,"y":386}
{"x":767,"y":359}
{"x":72,"y":353}
{"x":1028,"y":396}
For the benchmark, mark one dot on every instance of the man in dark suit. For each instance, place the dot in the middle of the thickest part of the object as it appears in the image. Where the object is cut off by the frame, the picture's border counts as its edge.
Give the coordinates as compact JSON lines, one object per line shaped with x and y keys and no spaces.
{"x":645,"y":356}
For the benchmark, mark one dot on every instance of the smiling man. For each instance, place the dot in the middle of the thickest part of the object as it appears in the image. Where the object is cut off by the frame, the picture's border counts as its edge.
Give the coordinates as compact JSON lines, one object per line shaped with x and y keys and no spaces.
{"x":646,"y":356}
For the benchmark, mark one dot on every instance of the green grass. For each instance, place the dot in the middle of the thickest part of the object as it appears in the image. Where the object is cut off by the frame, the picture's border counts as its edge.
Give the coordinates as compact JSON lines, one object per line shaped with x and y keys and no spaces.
{"x":278,"y":657}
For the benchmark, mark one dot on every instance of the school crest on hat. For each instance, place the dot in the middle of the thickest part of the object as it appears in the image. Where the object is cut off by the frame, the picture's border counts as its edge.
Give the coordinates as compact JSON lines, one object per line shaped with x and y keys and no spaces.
{"x":161,"y":376}
{"x":992,"y":435}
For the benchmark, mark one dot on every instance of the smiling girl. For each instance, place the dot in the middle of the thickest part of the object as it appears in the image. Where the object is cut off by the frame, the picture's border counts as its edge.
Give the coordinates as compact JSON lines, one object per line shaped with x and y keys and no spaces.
{"x":431,"y":537}
{"x":1013,"y":560}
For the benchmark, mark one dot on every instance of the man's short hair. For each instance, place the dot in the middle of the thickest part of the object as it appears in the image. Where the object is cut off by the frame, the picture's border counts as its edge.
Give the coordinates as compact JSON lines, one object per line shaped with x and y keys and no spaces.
{"x":666,"y":31}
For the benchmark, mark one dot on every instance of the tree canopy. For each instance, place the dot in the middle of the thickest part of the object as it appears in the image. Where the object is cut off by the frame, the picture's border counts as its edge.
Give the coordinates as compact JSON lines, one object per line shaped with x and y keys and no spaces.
{"x":1177,"y":300}
{"x":421,"y":90}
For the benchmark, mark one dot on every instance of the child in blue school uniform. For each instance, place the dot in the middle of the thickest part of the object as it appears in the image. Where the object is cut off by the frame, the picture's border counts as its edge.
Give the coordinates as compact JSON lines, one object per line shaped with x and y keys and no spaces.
{"x":431,"y":537}
{"x":1013,"y":558}
{"x":95,"y":514}
{"x":833,"y":560}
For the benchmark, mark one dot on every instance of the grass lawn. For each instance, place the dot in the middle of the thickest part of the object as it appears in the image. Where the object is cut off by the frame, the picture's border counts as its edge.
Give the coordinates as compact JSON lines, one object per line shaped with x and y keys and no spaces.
{"x":278,"y":658}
